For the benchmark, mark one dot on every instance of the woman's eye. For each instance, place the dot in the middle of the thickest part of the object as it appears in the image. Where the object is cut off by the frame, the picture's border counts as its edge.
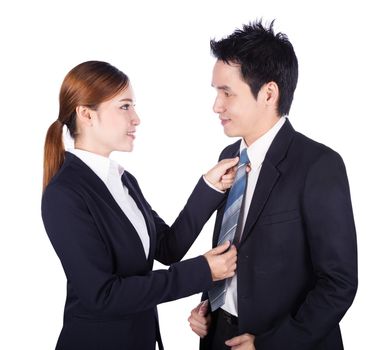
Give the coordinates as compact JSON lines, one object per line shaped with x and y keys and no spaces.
{"x":126,"y":106}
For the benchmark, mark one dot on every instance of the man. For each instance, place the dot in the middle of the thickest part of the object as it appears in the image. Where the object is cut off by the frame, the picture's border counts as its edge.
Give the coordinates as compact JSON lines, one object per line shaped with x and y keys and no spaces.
{"x":297,"y":256}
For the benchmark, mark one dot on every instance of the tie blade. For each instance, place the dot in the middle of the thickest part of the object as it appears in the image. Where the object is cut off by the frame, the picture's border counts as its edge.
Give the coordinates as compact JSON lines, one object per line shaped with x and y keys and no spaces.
{"x":232,"y":209}
{"x":217,"y":296}
{"x":230,"y":220}
{"x":227,"y":236}
{"x":243,"y":157}
{"x":237,"y":190}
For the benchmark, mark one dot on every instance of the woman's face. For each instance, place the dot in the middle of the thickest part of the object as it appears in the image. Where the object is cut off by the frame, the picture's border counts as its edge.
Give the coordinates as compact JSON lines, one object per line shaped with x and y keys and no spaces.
{"x":114,"y":124}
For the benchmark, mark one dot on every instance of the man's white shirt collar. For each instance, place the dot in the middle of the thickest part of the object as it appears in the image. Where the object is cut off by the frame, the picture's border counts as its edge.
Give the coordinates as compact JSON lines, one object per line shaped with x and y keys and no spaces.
{"x":258,"y":149}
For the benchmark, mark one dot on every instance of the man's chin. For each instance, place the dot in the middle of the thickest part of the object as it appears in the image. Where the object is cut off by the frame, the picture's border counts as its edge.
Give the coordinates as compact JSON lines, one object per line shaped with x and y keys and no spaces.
{"x":230,"y":133}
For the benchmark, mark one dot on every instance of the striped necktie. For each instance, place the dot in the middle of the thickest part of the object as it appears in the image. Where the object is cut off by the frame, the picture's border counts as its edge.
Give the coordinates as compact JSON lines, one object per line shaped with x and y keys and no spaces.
{"x":231,"y":228}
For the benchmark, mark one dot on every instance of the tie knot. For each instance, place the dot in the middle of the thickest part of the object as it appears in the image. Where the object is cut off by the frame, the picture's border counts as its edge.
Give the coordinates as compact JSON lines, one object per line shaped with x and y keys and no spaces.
{"x":243,"y":158}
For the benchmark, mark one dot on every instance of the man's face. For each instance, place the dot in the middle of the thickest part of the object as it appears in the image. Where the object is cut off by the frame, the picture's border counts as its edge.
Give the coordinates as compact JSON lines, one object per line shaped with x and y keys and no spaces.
{"x":240,"y":113}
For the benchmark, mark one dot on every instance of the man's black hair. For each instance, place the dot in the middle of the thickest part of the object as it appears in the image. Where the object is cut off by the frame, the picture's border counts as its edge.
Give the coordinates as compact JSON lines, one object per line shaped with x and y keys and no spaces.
{"x":263,"y":57}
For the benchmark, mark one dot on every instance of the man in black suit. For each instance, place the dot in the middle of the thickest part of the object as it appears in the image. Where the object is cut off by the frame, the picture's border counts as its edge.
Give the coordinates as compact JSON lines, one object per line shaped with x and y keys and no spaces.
{"x":297,"y":255}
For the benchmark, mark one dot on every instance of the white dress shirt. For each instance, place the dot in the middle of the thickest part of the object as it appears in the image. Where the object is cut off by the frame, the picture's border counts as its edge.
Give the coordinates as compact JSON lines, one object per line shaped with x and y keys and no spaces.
{"x":256,"y":153}
{"x":110,"y":173}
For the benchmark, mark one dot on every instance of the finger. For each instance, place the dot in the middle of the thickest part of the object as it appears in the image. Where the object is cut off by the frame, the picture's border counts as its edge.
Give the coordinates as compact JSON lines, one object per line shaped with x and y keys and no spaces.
{"x":234,"y":341}
{"x":232,"y":259}
{"x":225,"y":186}
{"x":201,"y":333}
{"x":226,"y":164}
{"x":233,"y":267}
{"x":230,"y":273}
{"x":233,"y":170}
{"x":227,"y":182}
{"x":228,"y":176}
{"x":196,"y":316}
{"x":231,"y":270}
{"x":196,"y":309}
{"x":203,"y":309}
{"x":198,"y":324}
{"x":230,"y":263}
{"x":231,"y":253}
{"x":243,"y":341}
{"x":241,"y":346}
{"x":220,"y":248}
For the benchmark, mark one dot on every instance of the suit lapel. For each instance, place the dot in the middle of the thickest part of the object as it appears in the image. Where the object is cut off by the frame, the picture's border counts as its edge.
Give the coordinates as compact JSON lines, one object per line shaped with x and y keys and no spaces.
{"x":268,"y":176}
{"x":98,"y":186}
{"x":104,"y":193}
{"x":266,"y":181}
{"x":145,"y":212}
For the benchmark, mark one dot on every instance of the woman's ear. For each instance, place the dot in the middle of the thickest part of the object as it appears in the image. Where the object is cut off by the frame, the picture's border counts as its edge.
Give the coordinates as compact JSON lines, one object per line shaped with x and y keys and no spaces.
{"x":84,"y":116}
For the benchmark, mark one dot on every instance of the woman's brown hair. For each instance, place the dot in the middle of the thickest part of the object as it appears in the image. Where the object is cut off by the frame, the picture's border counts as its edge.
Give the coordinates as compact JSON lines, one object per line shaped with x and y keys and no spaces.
{"x":88,"y":84}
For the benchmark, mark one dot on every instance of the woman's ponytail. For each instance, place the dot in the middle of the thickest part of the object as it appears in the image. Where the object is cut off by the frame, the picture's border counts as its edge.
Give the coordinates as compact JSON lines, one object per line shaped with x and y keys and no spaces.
{"x":53,"y":152}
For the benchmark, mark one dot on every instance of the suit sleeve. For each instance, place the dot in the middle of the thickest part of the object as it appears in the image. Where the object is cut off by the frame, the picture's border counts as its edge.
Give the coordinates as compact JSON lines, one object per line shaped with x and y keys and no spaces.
{"x":88,"y":265}
{"x":174,"y":242}
{"x":227,"y":152}
{"x":331,"y":236}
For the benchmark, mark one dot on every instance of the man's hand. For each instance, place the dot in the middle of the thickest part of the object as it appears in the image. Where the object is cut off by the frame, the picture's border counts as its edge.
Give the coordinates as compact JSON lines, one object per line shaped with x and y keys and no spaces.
{"x":200,"y":320}
{"x":242,"y":342}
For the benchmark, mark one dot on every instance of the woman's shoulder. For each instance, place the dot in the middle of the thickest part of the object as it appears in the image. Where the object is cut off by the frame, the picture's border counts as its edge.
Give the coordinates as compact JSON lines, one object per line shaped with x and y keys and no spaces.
{"x":69,"y":177}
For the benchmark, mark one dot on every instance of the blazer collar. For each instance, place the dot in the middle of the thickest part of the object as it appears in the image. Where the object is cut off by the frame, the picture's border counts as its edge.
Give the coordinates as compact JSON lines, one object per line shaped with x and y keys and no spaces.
{"x":92,"y":180}
{"x":268,"y":176}
{"x":280,"y":145}
{"x":278,"y":148}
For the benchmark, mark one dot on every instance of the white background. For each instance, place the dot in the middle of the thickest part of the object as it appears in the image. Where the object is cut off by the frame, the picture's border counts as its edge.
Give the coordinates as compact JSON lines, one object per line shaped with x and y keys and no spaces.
{"x":164,"y":48}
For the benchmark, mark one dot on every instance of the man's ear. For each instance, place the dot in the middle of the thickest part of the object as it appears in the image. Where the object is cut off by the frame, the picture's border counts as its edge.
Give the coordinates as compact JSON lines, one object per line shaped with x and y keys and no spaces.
{"x":84,"y":116}
{"x":271,"y":93}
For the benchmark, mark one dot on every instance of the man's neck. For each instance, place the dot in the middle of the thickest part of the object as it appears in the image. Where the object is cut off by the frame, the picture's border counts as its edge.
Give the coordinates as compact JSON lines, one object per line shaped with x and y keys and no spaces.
{"x":264,"y":127}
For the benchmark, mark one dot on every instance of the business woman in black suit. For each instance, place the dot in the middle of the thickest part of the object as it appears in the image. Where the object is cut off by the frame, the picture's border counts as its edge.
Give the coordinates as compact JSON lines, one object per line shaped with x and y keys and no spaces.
{"x":297,"y":260}
{"x":105,"y":232}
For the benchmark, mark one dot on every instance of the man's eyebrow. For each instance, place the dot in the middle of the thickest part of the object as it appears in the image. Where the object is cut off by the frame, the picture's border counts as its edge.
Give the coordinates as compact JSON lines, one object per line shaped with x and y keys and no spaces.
{"x":222,"y":87}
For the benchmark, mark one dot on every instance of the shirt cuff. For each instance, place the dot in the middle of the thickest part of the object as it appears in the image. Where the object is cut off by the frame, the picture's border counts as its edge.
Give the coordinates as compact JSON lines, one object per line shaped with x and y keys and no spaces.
{"x":212,"y":186}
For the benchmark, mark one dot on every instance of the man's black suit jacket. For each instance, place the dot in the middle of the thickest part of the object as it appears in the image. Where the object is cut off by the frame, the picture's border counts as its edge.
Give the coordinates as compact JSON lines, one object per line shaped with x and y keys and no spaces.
{"x":297,"y":260}
{"x":112,"y":291}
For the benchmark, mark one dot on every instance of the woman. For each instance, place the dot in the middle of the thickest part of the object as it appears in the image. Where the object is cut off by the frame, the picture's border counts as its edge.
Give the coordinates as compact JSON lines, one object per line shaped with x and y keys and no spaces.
{"x":104,"y":231}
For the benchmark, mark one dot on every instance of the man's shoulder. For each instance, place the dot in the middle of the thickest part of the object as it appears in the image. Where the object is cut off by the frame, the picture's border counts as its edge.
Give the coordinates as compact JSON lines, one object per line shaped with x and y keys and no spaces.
{"x":311,"y":146}
{"x":309,"y":153}
{"x":231,"y":150}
